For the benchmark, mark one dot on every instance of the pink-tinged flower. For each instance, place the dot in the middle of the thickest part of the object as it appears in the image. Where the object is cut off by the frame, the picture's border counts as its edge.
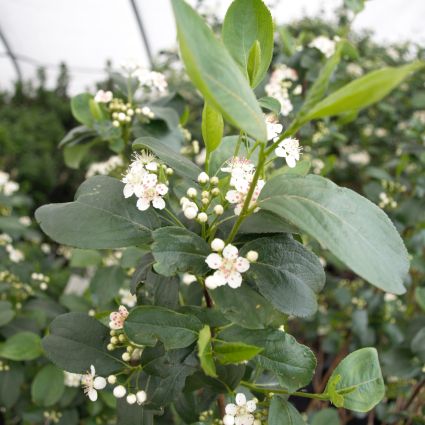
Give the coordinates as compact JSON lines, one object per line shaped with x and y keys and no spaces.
{"x":103,"y":96}
{"x":290,"y":150}
{"x":228,"y":265}
{"x":152,"y":194}
{"x":238,"y":195}
{"x":117,"y":318}
{"x":91,"y":383}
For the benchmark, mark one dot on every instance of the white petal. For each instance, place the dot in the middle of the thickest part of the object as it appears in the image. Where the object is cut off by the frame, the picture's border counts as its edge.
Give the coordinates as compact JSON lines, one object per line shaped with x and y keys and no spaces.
{"x":99,"y":383}
{"x":290,"y":160}
{"x":158,"y":203}
{"x":242,"y":264}
{"x":143,"y":204}
{"x":138,"y":190}
{"x":233,"y":196}
{"x":251,"y":406}
{"x":230,"y":252}
{"x":234,"y":280}
{"x":161,"y":189}
{"x":228,"y":420}
{"x":92,"y":370}
{"x":92,"y":393}
{"x":240,"y":399}
{"x":247,"y":419}
{"x":231,"y":409}
{"x":211,"y":282}
{"x":279,"y":151}
{"x":214,"y":261}
{"x":128,"y":190}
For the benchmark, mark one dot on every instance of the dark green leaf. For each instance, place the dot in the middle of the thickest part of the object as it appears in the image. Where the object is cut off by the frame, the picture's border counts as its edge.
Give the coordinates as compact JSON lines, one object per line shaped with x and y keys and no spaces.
{"x":100,"y":217}
{"x":7,"y":313}
{"x":48,"y":386}
{"x":355,"y":230}
{"x":271,"y":104}
{"x":106,"y":283}
{"x":10,"y":385}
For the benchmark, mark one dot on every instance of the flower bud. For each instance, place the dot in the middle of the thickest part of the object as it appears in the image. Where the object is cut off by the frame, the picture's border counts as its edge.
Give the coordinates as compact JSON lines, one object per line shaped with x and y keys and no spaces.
{"x":114,"y":340}
{"x":202,"y":217}
{"x":205,"y":201}
{"x":191,"y":192}
{"x":203,"y":178}
{"x":116,"y":123}
{"x":141,"y":397}
{"x":112,"y":379}
{"x":252,"y":256}
{"x":126,"y":356}
{"x":169,"y":171}
{"x":215,"y":191}
{"x":190,"y":212}
{"x":110,"y":347}
{"x":205,"y":194}
{"x":119,"y":391}
{"x":188,"y":278}
{"x":218,"y":209}
{"x":131,"y":398}
{"x":121,"y":338}
{"x":214,"y":180}
{"x":217,"y":244}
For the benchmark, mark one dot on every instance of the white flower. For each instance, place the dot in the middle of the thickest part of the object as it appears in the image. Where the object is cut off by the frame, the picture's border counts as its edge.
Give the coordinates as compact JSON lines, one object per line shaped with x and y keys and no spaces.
{"x":241,"y":412}
{"x":228,"y":265}
{"x":5,"y":239}
{"x":117,"y":318}
{"x":25,"y":221}
{"x":354,"y":69}
{"x":15,"y":255}
{"x":72,"y":379}
{"x":289,"y":149}
{"x":152,"y":80}
{"x":152,"y":194}
{"x":360,"y":158}
{"x":239,"y":167}
{"x":324,"y":44}
{"x":238,"y":195}
{"x":7,"y":186}
{"x":106,"y":167}
{"x":91,"y":383}
{"x":274,"y":128}
{"x":103,"y":96}
{"x":127,"y":297}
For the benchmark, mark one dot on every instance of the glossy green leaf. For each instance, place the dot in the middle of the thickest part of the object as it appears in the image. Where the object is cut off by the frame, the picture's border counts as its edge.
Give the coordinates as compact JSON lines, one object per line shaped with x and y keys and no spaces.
{"x":177,"y":162}
{"x":247,"y":23}
{"x":77,"y":341}
{"x":100,"y":217}
{"x":355,"y":230}
{"x":363,"y":91}
{"x":361,"y":384}
{"x":282,"y":412}
{"x":146,"y":325}
{"x":235,"y":352}
{"x":286,"y":274}
{"x":205,"y":352}
{"x":176,"y":249}
{"x":212,"y":127}
{"x":215,"y":74}
{"x":21,"y":346}
{"x":48,"y":386}
{"x":80,"y":107}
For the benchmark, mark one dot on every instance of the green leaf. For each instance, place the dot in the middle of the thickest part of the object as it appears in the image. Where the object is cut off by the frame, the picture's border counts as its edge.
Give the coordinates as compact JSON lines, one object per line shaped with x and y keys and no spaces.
{"x":336,"y":399}
{"x":363,"y":91}
{"x":361,"y":384}
{"x":177,"y":249}
{"x":85,"y":258}
{"x":177,"y":162}
{"x":7,"y":313}
{"x":205,"y":352}
{"x":234,"y":352}
{"x":293,"y":363}
{"x":106,"y":283}
{"x":212,"y":127}
{"x":21,"y":346}
{"x":73,"y":155}
{"x":128,"y":414}
{"x":286,"y":274}
{"x":248,"y":23}
{"x":100,"y":217}
{"x":355,"y":5}
{"x":80,"y":107}
{"x":215,"y":74}
{"x":326,"y":417}
{"x":418,"y":344}
{"x":355,"y":230}
{"x":254,"y":62}
{"x":271,"y":104}
{"x":282,"y":412}
{"x":146,"y":324}
{"x":77,"y":341}
{"x":48,"y":386}
{"x":420,"y":297}
{"x":10,"y":385}
{"x":229,"y":301}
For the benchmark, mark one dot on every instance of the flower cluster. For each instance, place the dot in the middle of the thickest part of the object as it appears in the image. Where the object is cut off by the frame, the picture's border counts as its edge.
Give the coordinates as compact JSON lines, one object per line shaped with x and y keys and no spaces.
{"x":324,"y":45}
{"x":72,"y":379}
{"x":7,"y":186}
{"x":281,"y":81}
{"x":41,"y":279}
{"x":242,"y":173}
{"x":241,"y":413}
{"x":15,"y":255}
{"x":142,"y":179}
{"x":105,"y":167}
{"x":103,"y":96}
{"x":289,"y":149}
{"x":153,"y":81}
{"x":228,"y":265}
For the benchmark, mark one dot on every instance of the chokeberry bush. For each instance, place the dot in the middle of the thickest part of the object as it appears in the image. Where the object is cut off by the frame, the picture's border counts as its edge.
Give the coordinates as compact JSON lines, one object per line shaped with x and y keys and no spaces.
{"x":219,"y":244}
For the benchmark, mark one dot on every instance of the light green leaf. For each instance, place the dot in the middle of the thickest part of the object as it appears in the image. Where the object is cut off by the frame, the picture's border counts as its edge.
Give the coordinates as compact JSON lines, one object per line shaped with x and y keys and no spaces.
{"x":100,"y":217}
{"x":215,"y":74}
{"x":355,"y":230}
{"x":74,"y":154}
{"x":176,"y":249}
{"x":177,"y":162}
{"x":282,"y":412}
{"x":48,"y":386}
{"x":21,"y":346}
{"x":362,"y":92}
{"x":234,"y":352}
{"x":80,"y":107}
{"x":205,"y":352}
{"x":254,"y":62}
{"x":146,"y":324}
{"x":361,"y":384}
{"x":212,"y":127}
{"x":77,"y":341}
{"x":247,"y":23}
{"x":286,"y":274}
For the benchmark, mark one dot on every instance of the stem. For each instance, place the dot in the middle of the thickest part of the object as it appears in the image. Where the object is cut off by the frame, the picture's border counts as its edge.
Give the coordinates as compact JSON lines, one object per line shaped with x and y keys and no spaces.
{"x":258,"y":389}
{"x":174,"y":218}
{"x":238,"y":145}
{"x":245,"y":208}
